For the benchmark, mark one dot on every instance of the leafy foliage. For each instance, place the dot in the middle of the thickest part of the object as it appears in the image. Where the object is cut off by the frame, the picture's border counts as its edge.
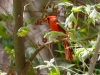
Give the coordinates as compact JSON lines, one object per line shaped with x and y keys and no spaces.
{"x":69,"y":20}
{"x":49,"y":64}
{"x":66,"y":4}
{"x":3,"y":32}
{"x":81,"y":31}
{"x":22,"y":31}
{"x":3,"y":73}
{"x":52,"y":35}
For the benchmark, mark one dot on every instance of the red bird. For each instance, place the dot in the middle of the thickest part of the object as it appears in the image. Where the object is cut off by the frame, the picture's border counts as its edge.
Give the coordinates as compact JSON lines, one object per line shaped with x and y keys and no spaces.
{"x":52,"y":20}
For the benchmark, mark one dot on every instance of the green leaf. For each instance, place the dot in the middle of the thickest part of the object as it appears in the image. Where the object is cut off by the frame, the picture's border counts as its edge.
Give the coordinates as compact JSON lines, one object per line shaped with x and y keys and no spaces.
{"x":64,"y":0}
{"x":66,"y":4}
{"x":88,"y":9}
{"x":54,"y":71}
{"x":84,"y":30}
{"x":64,"y":66}
{"x":29,"y":52}
{"x":49,"y":64}
{"x":71,"y":18}
{"x":72,"y":36}
{"x":77,"y":35}
{"x":3,"y":17}
{"x":25,"y":24}
{"x":78,"y":9}
{"x":41,"y":66}
{"x":98,"y":5}
{"x":83,"y":53}
{"x":69,"y":66}
{"x":90,"y":20}
{"x":59,"y":46}
{"x":2,"y":23}
{"x":55,"y":33}
{"x":9,"y":18}
{"x":7,"y":44}
{"x":60,"y":50}
{"x":68,"y":73}
{"x":3,"y":32}
{"x":4,"y":73}
{"x":52,"y":35}
{"x":62,"y":25}
{"x":52,"y":60}
{"x":23,"y":31}
{"x":94,"y":15}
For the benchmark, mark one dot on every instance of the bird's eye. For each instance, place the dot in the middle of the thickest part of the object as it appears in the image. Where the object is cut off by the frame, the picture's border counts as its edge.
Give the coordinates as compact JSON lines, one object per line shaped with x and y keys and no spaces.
{"x":48,"y":19}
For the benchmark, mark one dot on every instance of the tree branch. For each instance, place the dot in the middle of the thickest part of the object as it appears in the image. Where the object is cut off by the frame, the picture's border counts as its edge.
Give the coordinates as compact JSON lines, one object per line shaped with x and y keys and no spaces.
{"x":34,"y":55}
{"x":94,"y":58}
{"x":37,"y":51}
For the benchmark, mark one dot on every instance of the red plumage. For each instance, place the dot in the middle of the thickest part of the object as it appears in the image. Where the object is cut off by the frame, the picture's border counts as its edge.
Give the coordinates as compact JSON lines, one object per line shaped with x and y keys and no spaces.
{"x":52,"y":20}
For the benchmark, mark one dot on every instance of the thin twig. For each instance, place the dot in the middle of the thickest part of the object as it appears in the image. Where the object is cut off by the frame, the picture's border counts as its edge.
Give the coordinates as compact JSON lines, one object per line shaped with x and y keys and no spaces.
{"x":4,"y":9}
{"x":51,"y":53}
{"x":47,"y":4}
{"x":67,"y":69}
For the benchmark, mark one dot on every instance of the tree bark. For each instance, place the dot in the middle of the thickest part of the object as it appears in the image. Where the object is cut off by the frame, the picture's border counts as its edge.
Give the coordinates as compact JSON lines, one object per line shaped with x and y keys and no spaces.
{"x":18,"y":41}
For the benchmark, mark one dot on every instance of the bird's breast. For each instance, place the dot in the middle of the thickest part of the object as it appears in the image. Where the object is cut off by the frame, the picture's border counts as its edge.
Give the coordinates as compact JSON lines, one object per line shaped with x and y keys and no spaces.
{"x":54,"y":27}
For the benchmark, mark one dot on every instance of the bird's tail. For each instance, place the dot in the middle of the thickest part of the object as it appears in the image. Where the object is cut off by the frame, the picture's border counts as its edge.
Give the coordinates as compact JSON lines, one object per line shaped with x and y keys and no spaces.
{"x":68,"y":54}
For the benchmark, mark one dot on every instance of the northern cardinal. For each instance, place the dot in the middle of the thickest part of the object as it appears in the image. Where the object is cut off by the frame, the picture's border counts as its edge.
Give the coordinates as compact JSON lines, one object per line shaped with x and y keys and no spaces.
{"x":52,"y":20}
